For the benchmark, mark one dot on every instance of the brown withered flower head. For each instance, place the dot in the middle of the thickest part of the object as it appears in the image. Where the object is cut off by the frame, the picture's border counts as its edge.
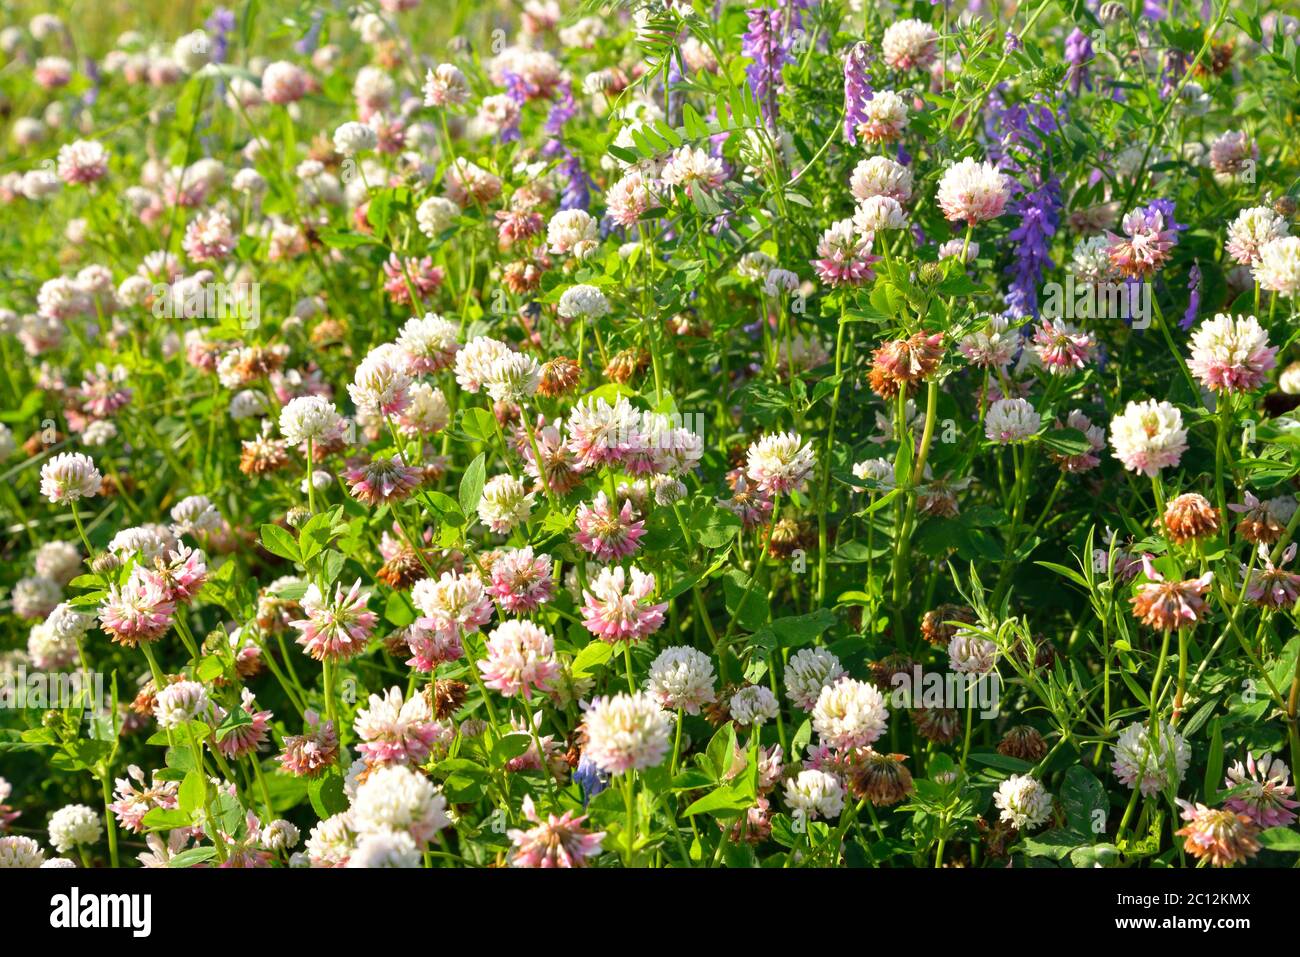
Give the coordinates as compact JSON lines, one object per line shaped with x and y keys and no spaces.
{"x":1258,"y":525}
{"x":402,"y":570}
{"x":934,"y":624}
{"x":719,"y":711}
{"x":883,"y":671}
{"x":559,"y":376}
{"x":788,"y":536}
{"x":1165,"y":605}
{"x":939,"y":725}
{"x":879,"y":778}
{"x":903,"y":363}
{"x":522,"y":276}
{"x":996,"y":837}
{"x":688,"y":324}
{"x":328,"y":332}
{"x":627,"y":364}
{"x":262,"y":456}
{"x":1190,"y":517}
{"x":1217,"y":60}
{"x":1023,"y":742}
{"x":445,"y":697}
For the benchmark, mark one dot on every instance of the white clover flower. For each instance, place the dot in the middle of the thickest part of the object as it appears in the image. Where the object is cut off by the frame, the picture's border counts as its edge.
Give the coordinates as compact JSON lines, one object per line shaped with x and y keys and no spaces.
{"x":1150,"y":764}
{"x":881,"y":176}
{"x":1253,"y":229}
{"x":682,"y":677}
{"x":309,"y":418}
{"x":474,"y":362}
{"x":379,"y":385}
{"x":968,"y":653}
{"x":849,"y":714}
{"x":690,"y":166}
{"x":352,"y":137}
{"x":60,"y":561}
{"x":973,"y":191}
{"x":814,"y":794}
{"x":754,"y":705}
{"x":435,"y":215}
{"x":331,"y":841}
{"x":385,"y":848}
{"x":35,"y":597}
{"x":506,"y":502}
{"x":780,"y":280}
{"x":1011,"y":420}
{"x":73,"y":825}
{"x":426,"y":413}
{"x":627,"y":732}
{"x":18,"y":851}
{"x":1090,"y":260}
{"x":396,"y":798}
{"x":583,"y":302}
{"x":807,"y":673}
{"x":195,"y":515}
{"x":878,"y":213}
{"x":445,"y":85}
{"x":572,"y":231}
{"x":429,"y":341}
{"x":1023,"y":802}
{"x":879,"y":471}
{"x":1278,"y":268}
{"x":512,"y":377}
{"x":69,"y":477}
{"x":1148,"y":436}
{"x":779,"y":463}
{"x":99,"y":433}
{"x":68,"y":624}
{"x":280,"y":835}
{"x":909,"y":43}
{"x":180,"y":702}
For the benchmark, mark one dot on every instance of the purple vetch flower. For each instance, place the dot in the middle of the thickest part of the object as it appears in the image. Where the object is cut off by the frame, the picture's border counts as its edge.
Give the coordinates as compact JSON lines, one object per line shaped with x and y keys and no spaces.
{"x":857,"y":90}
{"x":563,"y":110}
{"x":575,"y":193}
{"x":769,"y":50}
{"x":1193,"y":297}
{"x":1172,"y":73}
{"x":307,"y":45}
{"x":1017,"y":135}
{"x":92,"y":74}
{"x":1078,"y":53}
{"x":220,"y":25}
{"x":1040,"y":215}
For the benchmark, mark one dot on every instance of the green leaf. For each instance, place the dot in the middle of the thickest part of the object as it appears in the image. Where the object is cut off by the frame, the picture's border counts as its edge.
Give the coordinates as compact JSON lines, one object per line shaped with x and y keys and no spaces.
{"x":1056,"y":844}
{"x":1002,"y":762}
{"x":161,"y":819}
{"x":1214,"y":762}
{"x":471,"y":485}
{"x":1281,"y":839}
{"x":210,"y":668}
{"x":327,"y":796}
{"x":193,"y":791}
{"x":1066,"y":441}
{"x":1082,"y":796}
{"x":596,"y":654}
{"x":195,"y":855}
{"x":277,"y":541}
{"x":713,"y":527}
{"x":747,"y":603}
{"x":479,"y":424}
